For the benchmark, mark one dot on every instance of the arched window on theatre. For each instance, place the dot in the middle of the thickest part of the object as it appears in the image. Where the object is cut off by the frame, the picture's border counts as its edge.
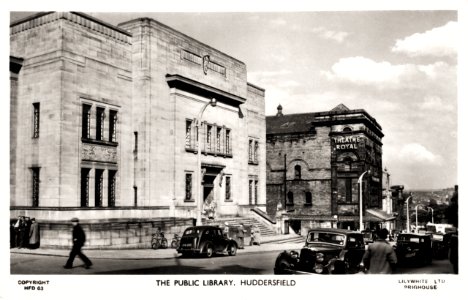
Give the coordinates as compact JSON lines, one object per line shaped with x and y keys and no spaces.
{"x":347,"y":129}
{"x":297,"y":172}
{"x":290,"y":198}
{"x":308,"y":197}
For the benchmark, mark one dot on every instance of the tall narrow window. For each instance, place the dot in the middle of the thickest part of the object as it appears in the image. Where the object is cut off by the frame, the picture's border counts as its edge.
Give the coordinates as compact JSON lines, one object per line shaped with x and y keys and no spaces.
{"x":112,"y":126}
{"x":86,"y":121}
{"x":218,"y":140}
{"x":135,"y":196}
{"x":290,"y":198}
{"x":209,"y":128}
{"x":228,"y":188}
{"x":188,"y":186}
{"x":84,"y":187}
{"x":228,"y":141}
{"x":36,"y":107}
{"x":255,"y":158}
{"x":308,"y":196}
{"x":35,"y":186}
{"x":250,"y":150}
{"x":256,"y":192}
{"x":348,"y":190}
{"x":99,"y":123}
{"x":98,"y":184}
{"x":135,"y":146}
{"x":188,"y":134}
{"x":250,"y":191}
{"x":111,"y":188}
{"x":297,"y":172}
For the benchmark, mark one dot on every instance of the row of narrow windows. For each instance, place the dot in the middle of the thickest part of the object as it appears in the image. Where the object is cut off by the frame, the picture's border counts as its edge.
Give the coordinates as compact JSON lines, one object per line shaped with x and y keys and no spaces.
{"x":98,"y":187}
{"x":214,"y":139}
{"x":100,"y":124}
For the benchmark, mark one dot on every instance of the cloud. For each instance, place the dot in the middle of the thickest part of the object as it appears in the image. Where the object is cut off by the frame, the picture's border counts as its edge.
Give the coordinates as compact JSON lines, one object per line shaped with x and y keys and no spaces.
{"x":337,"y":36}
{"x":439,"y":41}
{"x":364,"y":71}
{"x":435,"y":103}
{"x":417,"y":153}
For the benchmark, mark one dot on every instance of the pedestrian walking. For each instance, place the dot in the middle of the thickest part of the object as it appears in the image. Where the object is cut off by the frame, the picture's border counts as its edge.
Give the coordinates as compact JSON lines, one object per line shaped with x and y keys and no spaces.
{"x":255,"y":236}
{"x":240,"y":236}
{"x":380,"y":258}
{"x":79,"y":239}
{"x":34,"y":236}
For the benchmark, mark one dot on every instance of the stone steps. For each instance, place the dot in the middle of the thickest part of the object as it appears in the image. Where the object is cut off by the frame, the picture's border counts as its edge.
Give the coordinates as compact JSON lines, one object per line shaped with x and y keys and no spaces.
{"x":247,"y":222}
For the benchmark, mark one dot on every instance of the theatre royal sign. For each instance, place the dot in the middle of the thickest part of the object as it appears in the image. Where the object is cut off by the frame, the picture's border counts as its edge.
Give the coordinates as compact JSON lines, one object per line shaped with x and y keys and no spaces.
{"x":346,"y":143}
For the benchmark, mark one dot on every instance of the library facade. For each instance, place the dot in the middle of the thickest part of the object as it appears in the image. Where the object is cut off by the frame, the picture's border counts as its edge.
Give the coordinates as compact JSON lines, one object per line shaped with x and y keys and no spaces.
{"x":129,"y":128}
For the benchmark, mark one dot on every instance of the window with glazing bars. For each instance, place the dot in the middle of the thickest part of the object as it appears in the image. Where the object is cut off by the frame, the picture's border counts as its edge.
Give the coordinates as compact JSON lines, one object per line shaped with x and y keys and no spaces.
{"x":188,"y":134}
{"x":250,"y":150}
{"x":250,"y":191}
{"x":99,"y":123}
{"x":84,"y":189}
{"x":86,"y":121}
{"x":255,"y":150}
{"x":188,"y":187}
{"x":36,"y":114}
{"x":98,"y":185}
{"x":209,"y":128}
{"x":256,"y":192}
{"x":218,"y":140}
{"x":111,"y":188}
{"x":228,"y":141}
{"x":112,"y":126}
{"x":228,"y":188}
{"x":35,"y":186}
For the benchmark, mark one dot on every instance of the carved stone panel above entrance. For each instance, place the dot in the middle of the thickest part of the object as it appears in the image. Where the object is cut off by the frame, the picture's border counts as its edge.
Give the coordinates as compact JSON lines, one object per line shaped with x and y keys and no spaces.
{"x":93,"y":152}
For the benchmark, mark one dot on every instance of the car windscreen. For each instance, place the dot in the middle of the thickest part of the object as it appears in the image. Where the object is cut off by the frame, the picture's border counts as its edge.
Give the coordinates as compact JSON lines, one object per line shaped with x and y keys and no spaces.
{"x":192,"y":231}
{"x":326,"y":237}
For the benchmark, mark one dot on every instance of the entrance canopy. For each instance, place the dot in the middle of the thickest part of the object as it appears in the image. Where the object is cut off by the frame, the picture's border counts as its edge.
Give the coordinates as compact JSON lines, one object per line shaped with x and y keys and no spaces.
{"x":377,"y":215}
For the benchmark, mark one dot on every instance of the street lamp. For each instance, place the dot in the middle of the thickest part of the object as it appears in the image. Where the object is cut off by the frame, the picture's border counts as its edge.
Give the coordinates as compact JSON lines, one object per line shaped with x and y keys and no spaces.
{"x":417,"y":228}
{"x":407,"y":213}
{"x":432,"y":214}
{"x":361,"y":225}
{"x":212,"y":102}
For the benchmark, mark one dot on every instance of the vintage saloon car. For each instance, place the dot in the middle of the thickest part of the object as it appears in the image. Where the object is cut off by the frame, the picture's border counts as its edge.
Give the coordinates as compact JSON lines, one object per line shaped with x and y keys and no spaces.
{"x":414,"y":248}
{"x":326,"y":251}
{"x":206,"y":240}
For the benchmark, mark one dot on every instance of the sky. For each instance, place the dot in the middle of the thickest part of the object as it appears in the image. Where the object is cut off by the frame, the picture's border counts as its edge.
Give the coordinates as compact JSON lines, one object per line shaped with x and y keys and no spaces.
{"x":399,"y":66}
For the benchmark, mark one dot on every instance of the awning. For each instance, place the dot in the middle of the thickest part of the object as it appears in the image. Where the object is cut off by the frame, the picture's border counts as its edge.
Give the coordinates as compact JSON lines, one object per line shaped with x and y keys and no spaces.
{"x":378,"y":215}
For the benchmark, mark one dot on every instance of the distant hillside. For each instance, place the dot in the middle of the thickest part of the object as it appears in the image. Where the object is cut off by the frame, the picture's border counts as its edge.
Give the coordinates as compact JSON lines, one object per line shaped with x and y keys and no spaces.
{"x":424,"y":197}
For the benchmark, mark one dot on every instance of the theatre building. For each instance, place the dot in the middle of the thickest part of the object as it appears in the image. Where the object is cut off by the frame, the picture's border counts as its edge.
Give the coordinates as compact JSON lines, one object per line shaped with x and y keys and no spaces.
{"x":314,"y":161}
{"x":104,"y":127}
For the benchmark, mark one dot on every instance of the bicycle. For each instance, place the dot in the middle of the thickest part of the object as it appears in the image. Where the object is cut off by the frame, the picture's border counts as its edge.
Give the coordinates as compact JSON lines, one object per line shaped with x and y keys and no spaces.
{"x":158,"y":241}
{"x":175,"y":241}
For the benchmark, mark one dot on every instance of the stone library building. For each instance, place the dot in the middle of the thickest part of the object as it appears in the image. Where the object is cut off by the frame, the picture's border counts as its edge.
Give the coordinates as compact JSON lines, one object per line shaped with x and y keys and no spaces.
{"x":129,"y":128}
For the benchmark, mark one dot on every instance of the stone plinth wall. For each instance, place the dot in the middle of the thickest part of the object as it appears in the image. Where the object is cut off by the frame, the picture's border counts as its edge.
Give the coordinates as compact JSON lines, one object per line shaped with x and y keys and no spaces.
{"x":109,"y":234}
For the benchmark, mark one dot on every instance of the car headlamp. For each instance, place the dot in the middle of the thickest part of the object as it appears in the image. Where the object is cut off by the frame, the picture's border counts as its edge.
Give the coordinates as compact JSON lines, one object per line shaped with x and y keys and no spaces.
{"x":318,"y":268}
{"x":319,"y":257}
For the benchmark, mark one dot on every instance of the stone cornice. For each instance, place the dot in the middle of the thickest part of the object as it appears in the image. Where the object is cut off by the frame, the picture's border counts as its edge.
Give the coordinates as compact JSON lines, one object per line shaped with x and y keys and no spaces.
{"x":75,"y":17}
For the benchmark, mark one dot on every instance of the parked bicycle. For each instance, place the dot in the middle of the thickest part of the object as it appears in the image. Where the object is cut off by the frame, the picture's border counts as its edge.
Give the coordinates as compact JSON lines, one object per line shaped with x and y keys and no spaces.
{"x":175,"y":241}
{"x":158,"y":241}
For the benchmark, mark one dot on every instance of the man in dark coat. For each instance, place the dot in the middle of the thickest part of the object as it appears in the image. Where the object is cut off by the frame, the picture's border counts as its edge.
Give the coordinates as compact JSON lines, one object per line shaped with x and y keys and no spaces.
{"x":79,"y":239}
{"x":34,"y":236}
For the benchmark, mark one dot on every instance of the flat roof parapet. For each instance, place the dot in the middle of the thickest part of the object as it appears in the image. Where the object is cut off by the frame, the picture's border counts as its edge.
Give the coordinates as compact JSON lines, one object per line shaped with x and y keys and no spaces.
{"x":82,"y":19}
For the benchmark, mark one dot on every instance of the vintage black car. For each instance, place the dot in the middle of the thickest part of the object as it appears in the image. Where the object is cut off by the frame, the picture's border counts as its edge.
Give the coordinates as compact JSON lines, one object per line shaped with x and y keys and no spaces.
{"x":414,"y":249}
{"x":441,"y":244}
{"x":206,"y":240}
{"x":326,"y":251}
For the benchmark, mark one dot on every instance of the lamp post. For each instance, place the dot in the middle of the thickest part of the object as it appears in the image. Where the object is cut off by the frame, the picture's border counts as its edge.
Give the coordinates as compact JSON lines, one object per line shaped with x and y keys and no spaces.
{"x":417,"y":228}
{"x":361,"y":225}
{"x":212,"y":102}
{"x":432,"y":214}
{"x":407,"y":213}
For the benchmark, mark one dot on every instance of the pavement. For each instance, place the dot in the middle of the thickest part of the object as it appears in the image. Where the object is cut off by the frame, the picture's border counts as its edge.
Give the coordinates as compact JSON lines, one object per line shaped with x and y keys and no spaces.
{"x":268,"y":243}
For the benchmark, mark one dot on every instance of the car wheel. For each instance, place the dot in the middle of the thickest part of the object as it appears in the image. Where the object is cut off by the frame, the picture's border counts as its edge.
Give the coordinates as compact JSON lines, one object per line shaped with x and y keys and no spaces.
{"x":282,"y":267}
{"x":209,"y":251}
{"x":232,"y":250}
